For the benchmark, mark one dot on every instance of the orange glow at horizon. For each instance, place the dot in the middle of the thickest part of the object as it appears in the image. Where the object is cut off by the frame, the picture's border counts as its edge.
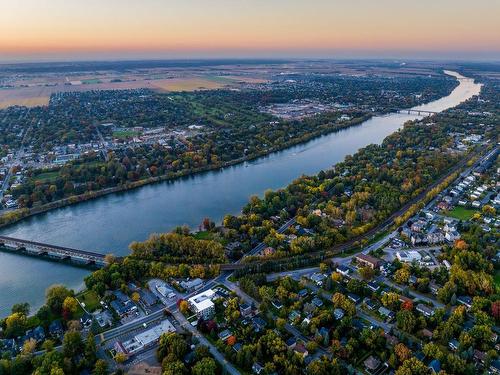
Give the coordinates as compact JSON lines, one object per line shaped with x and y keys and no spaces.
{"x":85,"y":26}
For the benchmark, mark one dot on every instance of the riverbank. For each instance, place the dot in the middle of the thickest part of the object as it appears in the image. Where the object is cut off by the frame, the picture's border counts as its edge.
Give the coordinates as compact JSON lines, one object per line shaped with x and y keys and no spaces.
{"x":13,"y":217}
{"x":111,"y":223}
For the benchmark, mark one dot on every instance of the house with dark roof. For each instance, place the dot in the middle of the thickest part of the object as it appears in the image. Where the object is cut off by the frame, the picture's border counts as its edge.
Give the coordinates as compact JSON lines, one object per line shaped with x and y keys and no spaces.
{"x":370,"y":304}
{"x":291,"y":342}
{"x":318,"y":302}
{"x":303,"y":293}
{"x":258,"y":323}
{"x":374,"y":286}
{"x":354,"y":298}
{"x":56,"y":328}
{"x":39,"y":334}
{"x":435,"y":366}
{"x":148,"y":299}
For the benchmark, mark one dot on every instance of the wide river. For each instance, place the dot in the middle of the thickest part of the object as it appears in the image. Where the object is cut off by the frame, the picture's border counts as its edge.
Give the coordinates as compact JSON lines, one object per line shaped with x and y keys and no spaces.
{"x":108,"y":224}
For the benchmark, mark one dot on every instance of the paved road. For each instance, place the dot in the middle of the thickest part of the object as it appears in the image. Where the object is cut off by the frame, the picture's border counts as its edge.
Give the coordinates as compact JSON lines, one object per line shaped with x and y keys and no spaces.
{"x":228,"y":367}
{"x":413,"y":293}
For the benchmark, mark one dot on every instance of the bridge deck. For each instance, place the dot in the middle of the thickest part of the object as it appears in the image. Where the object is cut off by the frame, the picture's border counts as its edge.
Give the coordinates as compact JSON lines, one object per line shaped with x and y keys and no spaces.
{"x":82,"y":253}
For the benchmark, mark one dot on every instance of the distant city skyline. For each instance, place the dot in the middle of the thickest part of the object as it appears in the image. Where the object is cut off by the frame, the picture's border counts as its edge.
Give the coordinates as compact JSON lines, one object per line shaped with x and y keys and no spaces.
{"x":127,"y":29}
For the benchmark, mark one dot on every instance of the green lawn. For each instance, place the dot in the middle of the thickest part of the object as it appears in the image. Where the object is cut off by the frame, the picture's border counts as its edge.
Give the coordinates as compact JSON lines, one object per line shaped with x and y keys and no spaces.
{"x":204,"y":235}
{"x":497,"y":279}
{"x":91,"y":81}
{"x":461,"y":213}
{"x":46,"y":176}
{"x":90,"y":299}
{"x":124,"y":134}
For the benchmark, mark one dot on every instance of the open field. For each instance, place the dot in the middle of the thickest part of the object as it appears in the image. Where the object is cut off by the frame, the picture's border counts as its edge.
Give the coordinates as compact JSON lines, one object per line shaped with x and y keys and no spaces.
{"x":39,"y":95}
{"x":462,"y":213}
{"x":90,"y":299}
{"x":26,"y":96}
{"x":246,"y":79}
{"x":188,"y":84}
{"x":125,"y":134}
{"x":47,"y":176}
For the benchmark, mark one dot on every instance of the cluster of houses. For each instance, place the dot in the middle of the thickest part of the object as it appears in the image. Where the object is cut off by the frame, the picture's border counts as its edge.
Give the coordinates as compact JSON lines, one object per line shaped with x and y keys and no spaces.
{"x":39,"y":334}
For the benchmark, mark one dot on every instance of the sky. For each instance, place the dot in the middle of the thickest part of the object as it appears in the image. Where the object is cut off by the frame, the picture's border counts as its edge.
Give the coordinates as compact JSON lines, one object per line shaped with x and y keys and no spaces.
{"x":113,"y":29}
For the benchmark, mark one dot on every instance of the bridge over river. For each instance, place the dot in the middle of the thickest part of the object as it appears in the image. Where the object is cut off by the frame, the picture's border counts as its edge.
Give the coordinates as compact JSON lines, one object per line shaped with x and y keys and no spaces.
{"x":52,"y":252}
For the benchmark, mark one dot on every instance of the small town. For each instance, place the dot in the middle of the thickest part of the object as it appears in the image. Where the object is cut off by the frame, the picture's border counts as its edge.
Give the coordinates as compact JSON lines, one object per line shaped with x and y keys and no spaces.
{"x":249,"y":187}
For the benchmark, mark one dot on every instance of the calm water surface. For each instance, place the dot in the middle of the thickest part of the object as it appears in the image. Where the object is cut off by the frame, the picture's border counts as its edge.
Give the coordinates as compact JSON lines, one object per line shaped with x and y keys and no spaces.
{"x":110,"y":223}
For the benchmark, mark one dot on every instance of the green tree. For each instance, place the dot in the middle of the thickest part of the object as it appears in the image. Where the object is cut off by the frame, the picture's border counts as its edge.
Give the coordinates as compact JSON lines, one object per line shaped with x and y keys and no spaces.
{"x":100,"y":368}
{"x":412,"y":366}
{"x":206,"y":366}
{"x":22,"y":308}
{"x":172,"y":343}
{"x":173,"y":368}
{"x":15,"y":325}
{"x":55,"y":296}
{"x":406,"y":320}
{"x":72,"y":344}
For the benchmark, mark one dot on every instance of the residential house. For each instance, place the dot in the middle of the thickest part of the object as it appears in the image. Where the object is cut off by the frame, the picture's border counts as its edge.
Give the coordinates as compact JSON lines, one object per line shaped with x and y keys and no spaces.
{"x":374,"y":286}
{"x":303,"y":293}
{"x":338,"y":313}
{"x":224,"y":335}
{"x":354,"y":298}
{"x":435,"y":366}
{"x":425,"y":310}
{"x":371,"y":364}
{"x":368,"y":261}
{"x":452,"y":236}
{"x":277,"y":304}
{"x":245,"y":310}
{"x":56,"y":328}
{"x":465,"y":300}
{"x":258,"y":323}
{"x":301,"y":350}
{"x":291,"y":342}
{"x":316,"y":301}
{"x":318,"y":278}
{"x":453,"y":344}
{"x":386,"y":313}
{"x":343,"y":270}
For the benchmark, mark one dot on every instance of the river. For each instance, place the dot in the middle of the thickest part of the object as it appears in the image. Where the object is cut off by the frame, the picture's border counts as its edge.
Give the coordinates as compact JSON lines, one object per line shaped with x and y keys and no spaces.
{"x":108,"y":224}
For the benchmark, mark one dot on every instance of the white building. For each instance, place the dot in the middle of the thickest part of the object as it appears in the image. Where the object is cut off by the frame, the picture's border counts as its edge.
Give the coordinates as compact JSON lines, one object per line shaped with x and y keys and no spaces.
{"x":408,"y":256}
{"x":202,"y":305}
{"x":146,"y":338}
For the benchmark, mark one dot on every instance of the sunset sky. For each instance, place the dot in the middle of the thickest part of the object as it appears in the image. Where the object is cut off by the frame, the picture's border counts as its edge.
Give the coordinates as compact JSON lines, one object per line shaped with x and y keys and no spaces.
{"x":87,"y":29}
